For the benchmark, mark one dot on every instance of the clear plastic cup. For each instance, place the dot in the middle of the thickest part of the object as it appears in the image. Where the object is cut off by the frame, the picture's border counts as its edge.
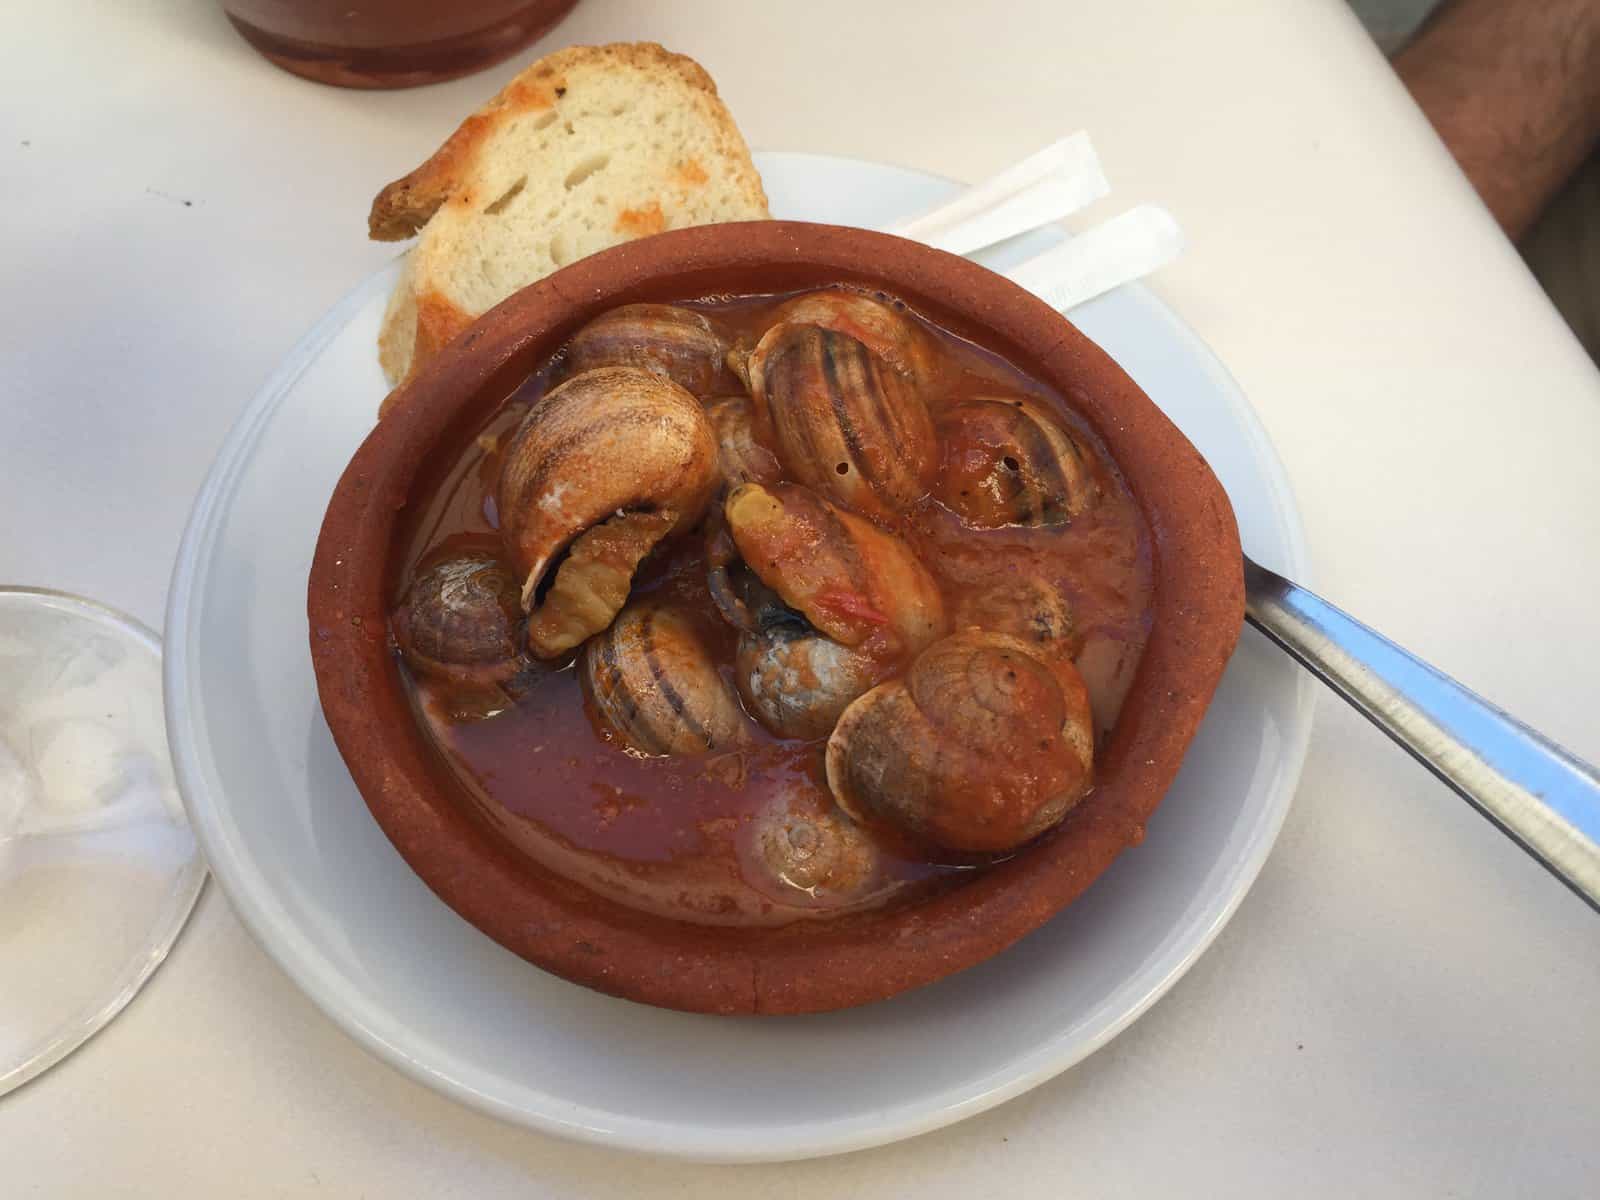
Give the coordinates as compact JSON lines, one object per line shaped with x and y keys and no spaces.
{"x":98,"y":868}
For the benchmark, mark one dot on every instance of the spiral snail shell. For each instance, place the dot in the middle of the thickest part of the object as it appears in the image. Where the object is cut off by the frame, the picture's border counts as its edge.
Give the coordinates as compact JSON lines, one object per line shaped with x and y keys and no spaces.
{"x":741,"y":458}
{"x":804,"y":844}
{"x":677,"y":343}
{"x":881,"y":325}
{"x":794,"y":680}
{"x":653,"y":683}
{"x":841,"y":419}
{"x":1032,"y":610}
{"x":1009,"y":462}
{"x":458,"y":622}
{"x":619,"y":456}
{"x":981,"y":746}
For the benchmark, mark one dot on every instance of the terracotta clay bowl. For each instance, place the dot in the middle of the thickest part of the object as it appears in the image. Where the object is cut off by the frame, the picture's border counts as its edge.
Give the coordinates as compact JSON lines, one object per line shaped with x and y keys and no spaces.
{"x":1197,"y":612}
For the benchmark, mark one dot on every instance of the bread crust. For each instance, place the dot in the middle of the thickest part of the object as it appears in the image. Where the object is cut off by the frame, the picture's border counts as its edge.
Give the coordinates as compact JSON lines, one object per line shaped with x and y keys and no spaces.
{"x":417,"y":325}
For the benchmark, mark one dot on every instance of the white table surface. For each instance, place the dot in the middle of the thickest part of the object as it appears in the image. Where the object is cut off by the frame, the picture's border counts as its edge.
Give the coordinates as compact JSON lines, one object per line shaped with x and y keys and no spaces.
{"x":1404,"y":1005}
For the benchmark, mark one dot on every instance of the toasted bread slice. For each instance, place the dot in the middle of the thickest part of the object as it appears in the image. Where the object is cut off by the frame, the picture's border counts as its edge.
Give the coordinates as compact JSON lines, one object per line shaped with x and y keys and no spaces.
{"x":588,"y":147}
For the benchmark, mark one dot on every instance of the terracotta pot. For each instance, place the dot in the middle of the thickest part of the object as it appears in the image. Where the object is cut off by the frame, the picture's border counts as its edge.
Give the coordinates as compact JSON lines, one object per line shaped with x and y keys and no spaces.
{"x":812,"y":966}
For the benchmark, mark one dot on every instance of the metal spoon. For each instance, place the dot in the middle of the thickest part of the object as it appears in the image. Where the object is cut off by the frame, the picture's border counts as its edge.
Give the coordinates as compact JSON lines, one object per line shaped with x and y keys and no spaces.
{"x":1543,"y":798}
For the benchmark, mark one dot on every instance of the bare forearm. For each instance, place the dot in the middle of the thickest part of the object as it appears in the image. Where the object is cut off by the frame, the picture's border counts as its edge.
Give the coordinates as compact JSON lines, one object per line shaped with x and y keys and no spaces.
{"x":1513,"y":88}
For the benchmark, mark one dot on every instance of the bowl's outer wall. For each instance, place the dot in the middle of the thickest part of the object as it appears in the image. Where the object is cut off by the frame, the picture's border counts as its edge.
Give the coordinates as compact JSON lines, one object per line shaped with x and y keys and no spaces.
{"x":1198,"y":607}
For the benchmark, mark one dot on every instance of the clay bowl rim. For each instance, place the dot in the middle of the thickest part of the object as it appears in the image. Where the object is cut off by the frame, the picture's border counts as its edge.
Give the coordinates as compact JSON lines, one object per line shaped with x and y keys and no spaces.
{"x":1198,"y":609}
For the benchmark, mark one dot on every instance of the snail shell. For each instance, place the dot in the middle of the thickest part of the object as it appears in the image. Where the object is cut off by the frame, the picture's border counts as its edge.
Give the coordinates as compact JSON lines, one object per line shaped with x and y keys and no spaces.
{"x":741,"y":458}
{"x":883,"y":327}
{"x":458,"y":622}
{"x":653,"y":683}
{"x":981,"y":746}
{"x":674,"y":342}
{"x":841,"y":419}
{"x":805,"y":844}
{"x":608,"y":441}
{"x":1032,"y":610}
{"x":727,"y":578}
{"x":794,"y":680}
{"x":1009,"y":462}
{"x":850,"y":579}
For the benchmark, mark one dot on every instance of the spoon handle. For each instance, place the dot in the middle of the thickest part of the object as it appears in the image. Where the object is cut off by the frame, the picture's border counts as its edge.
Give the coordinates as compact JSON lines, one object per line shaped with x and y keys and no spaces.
{"x":1544,"y":798}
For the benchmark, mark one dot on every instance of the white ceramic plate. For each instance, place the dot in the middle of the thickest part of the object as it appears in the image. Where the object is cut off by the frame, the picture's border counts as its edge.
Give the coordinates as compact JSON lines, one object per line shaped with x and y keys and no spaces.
{"x":292,"y":844}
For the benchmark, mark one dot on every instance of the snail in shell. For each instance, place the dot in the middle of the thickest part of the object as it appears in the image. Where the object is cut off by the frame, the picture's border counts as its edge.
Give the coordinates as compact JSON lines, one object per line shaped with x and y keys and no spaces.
{"x":797,"y":682}
{"x":741,"y":458}
{"x":883,"y":326}
{"x":653,"y":683}
{"x":678,"y":343}
{"x":826,"y":603}
{"x":841,"y":419}
{"x":981,"y":746}
{"x":601,"y":470}
{"x":1030,"y":609}
{"x":1009,"y":462}
{"x":793,"y":679}
{"x":458,"y":622}
{"x":802,"y":843}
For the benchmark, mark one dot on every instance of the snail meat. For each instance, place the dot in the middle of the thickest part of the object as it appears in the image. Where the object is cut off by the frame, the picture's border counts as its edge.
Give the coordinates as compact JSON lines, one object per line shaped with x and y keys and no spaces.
{"x":591,"y":584}
{"x":851,"y":580}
